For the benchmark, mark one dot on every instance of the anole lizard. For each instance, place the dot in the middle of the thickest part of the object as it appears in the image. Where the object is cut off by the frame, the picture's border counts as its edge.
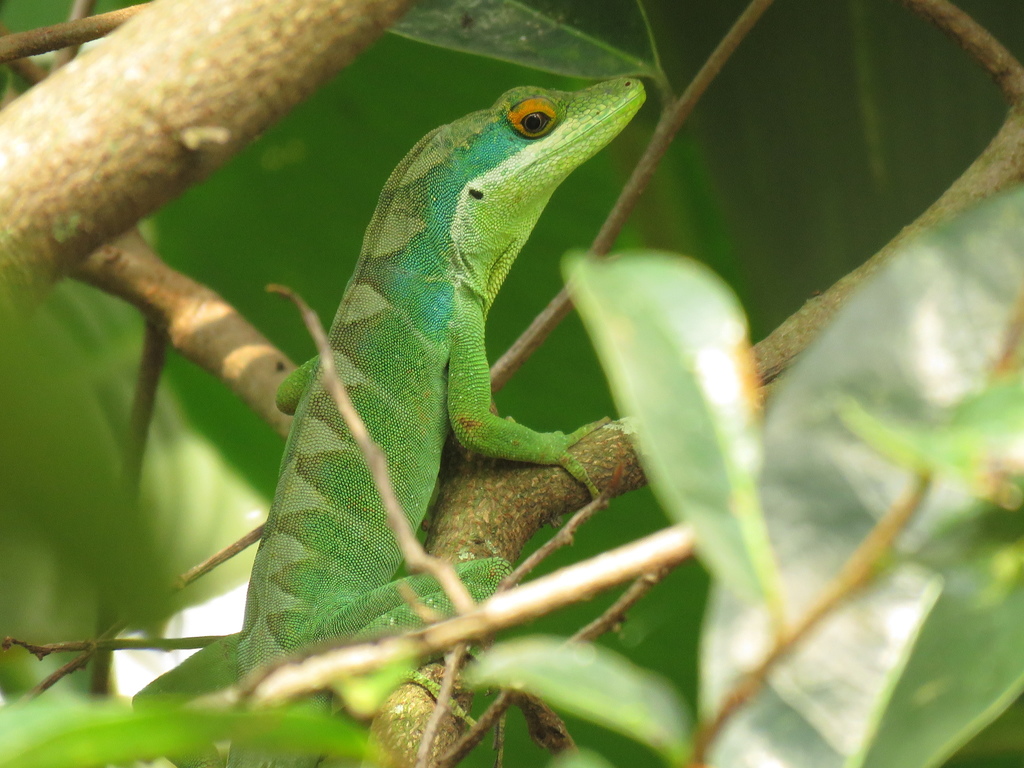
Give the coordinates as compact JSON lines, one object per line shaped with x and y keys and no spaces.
{"x":408,"y":341}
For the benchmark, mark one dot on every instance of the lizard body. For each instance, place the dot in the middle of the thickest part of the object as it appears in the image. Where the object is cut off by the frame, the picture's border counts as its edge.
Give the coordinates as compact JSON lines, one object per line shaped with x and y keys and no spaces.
{"x":408,"y":342}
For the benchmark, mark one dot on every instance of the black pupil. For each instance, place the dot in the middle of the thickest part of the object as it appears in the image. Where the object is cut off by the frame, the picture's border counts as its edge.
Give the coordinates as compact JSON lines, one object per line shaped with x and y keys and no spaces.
{"x":535,"y":122}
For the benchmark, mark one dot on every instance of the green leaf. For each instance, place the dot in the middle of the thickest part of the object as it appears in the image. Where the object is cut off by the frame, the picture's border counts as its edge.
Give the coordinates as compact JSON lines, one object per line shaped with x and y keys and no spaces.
{"x":910,"y":668}
{"x":581,"y":38}
{"x":673,"y":342}
{"x":50,"y":734}
{"x":593,"y":683}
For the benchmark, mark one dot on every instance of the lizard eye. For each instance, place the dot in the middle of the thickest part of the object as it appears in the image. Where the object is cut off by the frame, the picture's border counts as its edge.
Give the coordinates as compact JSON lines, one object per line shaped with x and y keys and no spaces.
{"x":533,"y":118}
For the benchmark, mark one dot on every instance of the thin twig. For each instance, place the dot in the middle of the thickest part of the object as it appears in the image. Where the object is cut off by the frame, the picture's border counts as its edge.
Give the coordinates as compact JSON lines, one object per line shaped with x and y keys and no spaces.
{"x":672,"y":119}
{"x":477,"y":731}
{"x":416,"y":557}
{"x":113,"y":644}
{"x":452,"y":665}
{"x":216,"y":559}
{"x":991,"y":55}
{"x":63,"y":671}
{"x":151,"y":365}
{"x":27,"y":70}
{"x":564,"y":536}
{"x":18,"y":45}
{"x":616,"y":612}
{"x":80,"y":9}
{"x":855,"y":574}
{"x":567,"y":586}
{"x":76,"y":663}
{"x":607,"y":621}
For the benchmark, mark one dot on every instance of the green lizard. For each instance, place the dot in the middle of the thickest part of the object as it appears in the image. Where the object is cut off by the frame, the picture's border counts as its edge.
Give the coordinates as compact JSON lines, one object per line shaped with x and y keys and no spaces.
{"x":408,"y":340}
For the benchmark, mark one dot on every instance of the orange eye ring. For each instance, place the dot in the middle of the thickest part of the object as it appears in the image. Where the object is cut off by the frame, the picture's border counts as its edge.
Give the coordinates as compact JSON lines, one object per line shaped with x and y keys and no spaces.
{"x":533,"y":118}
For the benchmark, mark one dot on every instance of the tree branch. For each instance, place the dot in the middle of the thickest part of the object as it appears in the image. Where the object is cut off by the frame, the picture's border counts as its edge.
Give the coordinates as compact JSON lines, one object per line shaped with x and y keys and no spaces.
{"x":199,"y":324}
{"x":998,"y":167}
{"x":91,"y":150}
{"x":987,"y":52}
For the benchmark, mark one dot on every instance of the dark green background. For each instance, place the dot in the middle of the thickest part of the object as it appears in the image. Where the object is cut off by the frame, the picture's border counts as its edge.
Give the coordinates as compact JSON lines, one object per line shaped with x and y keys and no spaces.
{"x":834,"y":125}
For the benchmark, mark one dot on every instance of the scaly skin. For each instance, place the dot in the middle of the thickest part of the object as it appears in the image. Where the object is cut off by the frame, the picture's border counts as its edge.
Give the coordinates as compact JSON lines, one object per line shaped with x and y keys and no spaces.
{"x":408,"y":341}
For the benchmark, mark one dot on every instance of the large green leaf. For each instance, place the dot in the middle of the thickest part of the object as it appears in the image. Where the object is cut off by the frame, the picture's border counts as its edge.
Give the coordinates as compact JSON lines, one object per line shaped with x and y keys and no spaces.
{"x":673,"y":341}
{"x":583,"y":38}
{"x":909,"y":669}
{"x":52,"y":734}
{"x":593,"y":683}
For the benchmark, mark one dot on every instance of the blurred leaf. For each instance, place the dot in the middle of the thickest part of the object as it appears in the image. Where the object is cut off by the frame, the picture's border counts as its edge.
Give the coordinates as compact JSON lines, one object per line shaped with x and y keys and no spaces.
{"x":673,"y":341}
{"x":980,"y":442}
{"x":895,"y":677}
{"x":593,"y":683}
{"x":72,"y":535}
{"x":823,"y":701}
{"x":52,"y":734}
{"x":71,"y":531}
{"x":581,"y":38}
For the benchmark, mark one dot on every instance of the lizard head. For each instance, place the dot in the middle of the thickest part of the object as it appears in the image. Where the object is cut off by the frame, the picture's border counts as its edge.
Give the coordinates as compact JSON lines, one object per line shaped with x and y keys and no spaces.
{"x":507,"y":161}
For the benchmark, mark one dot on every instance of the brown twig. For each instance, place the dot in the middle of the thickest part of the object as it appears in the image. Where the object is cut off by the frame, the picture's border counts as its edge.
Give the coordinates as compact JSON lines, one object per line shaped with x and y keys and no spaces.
{"x":216,"y":559}
{"x":616,"y":612}
{"x":151,"y":365}
{"x":564,"y":536}
{"x":606,"y":622}
{"x":27,"y":70}
{"x":671,"y":121}
{"x":75,"y":664}
{"x":416,"y":557}
{"x":477,"y":731}
{"x":998,"y":167}
{"x":18,"y":45}
{"x":113,"y":644}
{"x":80,"y":9}
{"x":991,"y":55}
{"x":59,"y":674}
{"x":452,"y":664}
{"x":567,"y":586}
{"x":854,"y":575}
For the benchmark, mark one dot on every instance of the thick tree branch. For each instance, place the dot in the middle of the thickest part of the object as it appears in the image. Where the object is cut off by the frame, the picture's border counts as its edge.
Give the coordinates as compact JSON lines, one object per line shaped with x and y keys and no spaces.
{"x":199,"y":324}
{"x":168,"y":98}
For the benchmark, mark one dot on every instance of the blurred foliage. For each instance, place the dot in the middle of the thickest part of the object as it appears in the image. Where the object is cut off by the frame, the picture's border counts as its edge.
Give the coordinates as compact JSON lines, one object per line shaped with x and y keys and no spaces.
{"x":834,"y":125}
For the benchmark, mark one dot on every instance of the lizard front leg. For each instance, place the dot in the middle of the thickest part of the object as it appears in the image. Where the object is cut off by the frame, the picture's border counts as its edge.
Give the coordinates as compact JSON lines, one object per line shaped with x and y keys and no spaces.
{"x":469,"y":401}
